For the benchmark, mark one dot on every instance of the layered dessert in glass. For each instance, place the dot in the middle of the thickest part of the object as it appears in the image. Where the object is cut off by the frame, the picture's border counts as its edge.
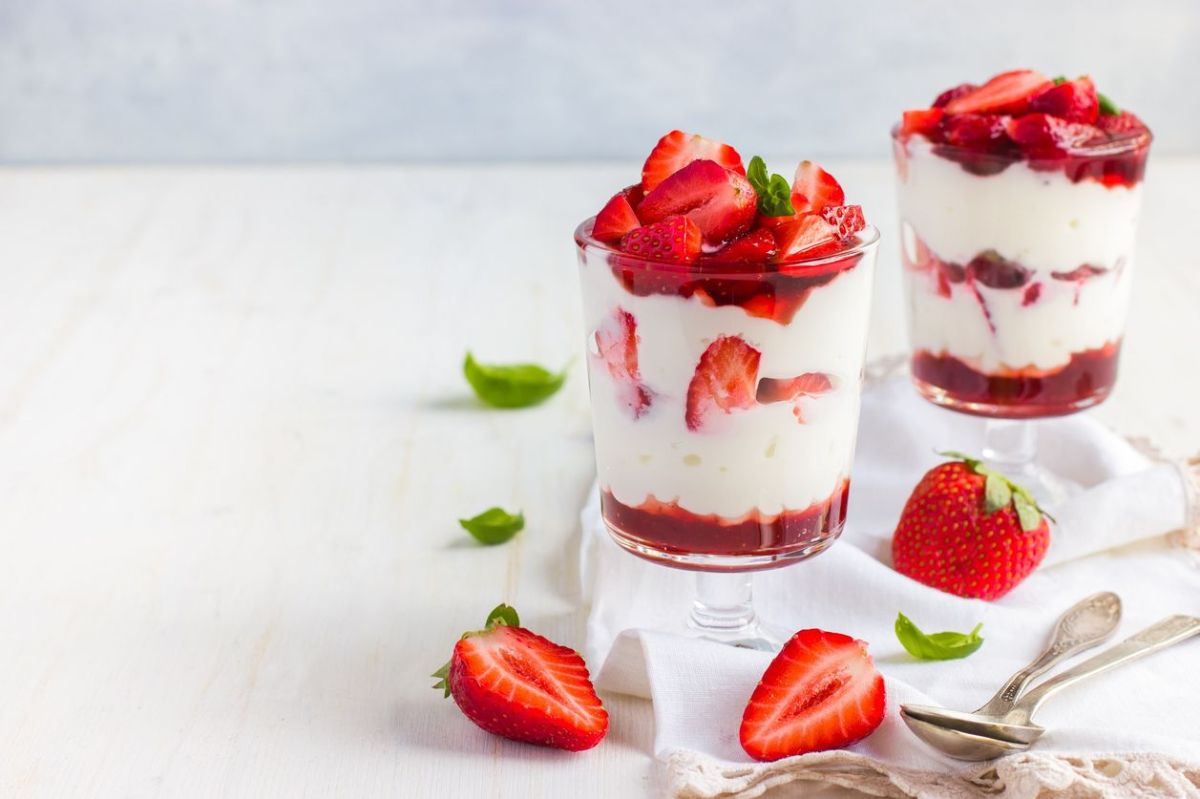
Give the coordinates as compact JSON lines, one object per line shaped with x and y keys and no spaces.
{"x":726,"y":320}
{"x":1019,"y":202}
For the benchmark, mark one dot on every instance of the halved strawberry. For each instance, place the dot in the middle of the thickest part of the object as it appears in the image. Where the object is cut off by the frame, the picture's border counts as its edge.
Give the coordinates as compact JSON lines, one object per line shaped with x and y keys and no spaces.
{"x":617,"y":217}
{"x":1121,"y":125}
{"x":1006,"y":93}
{"x":720,"y":201}
{"x":976,"y":131}
{"x":675,"y":239}
{"x":813,"y":188}
{"x":848,"y":219}
{"x":1072,"y":100}
{"x":755,"y":247}
{"x":1041,"y":136}
{"x":517,"y":684}
{"x":724,"y":380}
{"x":808,"y":234}
{"x":923,"y":121}
{"x":820,"y":692}
{"x":617,"y":346}
{"x":678,"y":149}
{"x":951,"y":94}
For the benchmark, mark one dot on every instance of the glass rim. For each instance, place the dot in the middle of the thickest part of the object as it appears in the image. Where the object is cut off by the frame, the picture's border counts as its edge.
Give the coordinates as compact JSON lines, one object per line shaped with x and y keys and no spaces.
{"x":864,"y":241}
{"x":1110,"y":148}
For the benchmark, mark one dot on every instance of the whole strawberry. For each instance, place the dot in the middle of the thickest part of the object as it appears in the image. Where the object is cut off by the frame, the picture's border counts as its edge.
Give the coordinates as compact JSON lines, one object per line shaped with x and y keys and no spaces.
{"x":515,"y":683}
{"x":968,"y":530}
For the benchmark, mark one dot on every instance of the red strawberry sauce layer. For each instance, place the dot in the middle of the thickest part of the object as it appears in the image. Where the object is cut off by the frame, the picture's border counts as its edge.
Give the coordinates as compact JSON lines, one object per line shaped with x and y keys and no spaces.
{"x":668,"y":528}
{"x":1022,"y":116}
{"x":776,"y":294}
{"x":1085,"y":380}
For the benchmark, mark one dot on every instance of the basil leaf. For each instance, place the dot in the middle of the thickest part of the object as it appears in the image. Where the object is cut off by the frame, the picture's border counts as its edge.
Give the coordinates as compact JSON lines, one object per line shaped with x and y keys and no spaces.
{"x":936,"y":646}
{"x":1107,"y":106}
{"x":493,"y":526}
{"x":512,"y":386}
{"x":774,"y":192}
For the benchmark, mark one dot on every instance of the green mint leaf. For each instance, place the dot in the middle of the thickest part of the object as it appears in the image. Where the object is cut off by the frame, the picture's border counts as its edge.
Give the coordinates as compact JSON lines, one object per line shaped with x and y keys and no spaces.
{"x":512,"y":386}
{"x":503,"y":614}
{"x":936,"y":646}
{"x":1027,"y":511}
{"x":997,"y":493}
{"x":774,"y":192}
{"x":443,"y":675}
{"x":1059,"y":80}
{"x":1107,"y":106}
{"x":494,"y":526}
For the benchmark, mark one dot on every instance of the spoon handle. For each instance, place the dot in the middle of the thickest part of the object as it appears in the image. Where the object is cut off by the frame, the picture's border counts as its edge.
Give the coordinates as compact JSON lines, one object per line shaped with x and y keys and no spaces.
{"x":1082,"y":626}
{"x":1167,"y":632}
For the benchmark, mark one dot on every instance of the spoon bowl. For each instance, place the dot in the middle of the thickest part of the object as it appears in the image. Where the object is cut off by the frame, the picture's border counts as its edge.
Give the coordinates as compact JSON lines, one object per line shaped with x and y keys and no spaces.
{"x":958,"y":744}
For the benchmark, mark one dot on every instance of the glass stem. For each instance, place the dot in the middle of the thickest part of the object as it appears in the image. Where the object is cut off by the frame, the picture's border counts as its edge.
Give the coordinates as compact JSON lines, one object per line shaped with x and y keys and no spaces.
{"x":1010,"y":445}
{"x":723,"y":604}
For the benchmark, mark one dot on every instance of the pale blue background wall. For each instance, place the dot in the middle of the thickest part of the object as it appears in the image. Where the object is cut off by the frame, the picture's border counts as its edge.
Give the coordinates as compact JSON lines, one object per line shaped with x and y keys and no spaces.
{"x":277,"y":80}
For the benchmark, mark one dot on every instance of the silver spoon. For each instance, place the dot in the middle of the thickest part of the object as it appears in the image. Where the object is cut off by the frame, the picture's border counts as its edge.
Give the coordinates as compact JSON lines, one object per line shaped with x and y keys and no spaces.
{"x":968,"y":737}
{"x":1085,"y":624}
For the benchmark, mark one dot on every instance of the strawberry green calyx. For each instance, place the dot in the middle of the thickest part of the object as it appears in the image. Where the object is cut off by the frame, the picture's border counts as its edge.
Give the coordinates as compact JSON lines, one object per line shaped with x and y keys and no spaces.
{"x":774,"y":191}
{"x":999,"y":492}
{"x":501,"y":615}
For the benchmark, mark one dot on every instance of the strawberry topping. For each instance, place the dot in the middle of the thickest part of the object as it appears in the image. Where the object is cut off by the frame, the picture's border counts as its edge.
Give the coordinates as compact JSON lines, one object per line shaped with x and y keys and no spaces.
{"x":921,"y":120}
{"x":617,"y":217}
{"x":755,"y":247}
{"x":1043,"y":136}
{"x":724,"y":380}
{"x":1006,"y":93}
{"x":720,"y":201}
{"x":678,"y":149}
{"x":675,"y":239}
{"x":848,"y":219}
{"x":821,"y":692}
{"x":1072,"y":100}
{"x":813,"y":188}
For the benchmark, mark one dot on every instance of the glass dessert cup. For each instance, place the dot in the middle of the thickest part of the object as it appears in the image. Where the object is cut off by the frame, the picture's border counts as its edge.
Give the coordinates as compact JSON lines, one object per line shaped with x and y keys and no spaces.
{"x":1017,"y":276}
{"x":725,"y":404}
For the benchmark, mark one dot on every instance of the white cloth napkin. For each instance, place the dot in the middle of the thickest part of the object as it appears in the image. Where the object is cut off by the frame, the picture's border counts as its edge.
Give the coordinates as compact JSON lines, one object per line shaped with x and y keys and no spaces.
{"x":1132,"y":732}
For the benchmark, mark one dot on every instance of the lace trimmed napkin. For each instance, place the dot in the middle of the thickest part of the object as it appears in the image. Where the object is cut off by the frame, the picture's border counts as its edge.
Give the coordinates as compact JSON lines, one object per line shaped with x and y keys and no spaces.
{"x":1132,"y":732}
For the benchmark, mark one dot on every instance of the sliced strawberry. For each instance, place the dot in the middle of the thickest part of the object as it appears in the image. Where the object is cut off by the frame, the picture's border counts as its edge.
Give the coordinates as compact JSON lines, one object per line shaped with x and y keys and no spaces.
{"x":807,"y":234}
{"x":617,"y":347}
{"x":848,"y":219}
{"x":1073,"y":100}
{"x":923,"y":121}
{"x":953,"y":94}
{"x":787,"y":389}
{"x":813,"y":188}
{"x":720,"y":201}
{"x":820,"y":692}
{"x":994,"y":271}
{"x":1006,"y":93}
{"x":1122,"y":125}
{"x":724,"y":380}
{"x":617,"y":217}
{"x":755,"y":247}
{"x":678,"y":149}
{"x":1041,"y":136}
{"x":517,"y":684}
{"x":675,"y":239}
{"x":976,"y":131}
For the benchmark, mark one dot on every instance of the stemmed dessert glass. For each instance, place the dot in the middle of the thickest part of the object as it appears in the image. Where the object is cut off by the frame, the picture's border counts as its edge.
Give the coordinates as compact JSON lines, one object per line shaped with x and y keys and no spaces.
{"x":725,"y":405}
{"x":1017,"y":275}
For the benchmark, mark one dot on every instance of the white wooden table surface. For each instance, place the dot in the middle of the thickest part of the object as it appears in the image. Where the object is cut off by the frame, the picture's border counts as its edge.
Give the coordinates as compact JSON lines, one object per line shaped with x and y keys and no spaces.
{"x":234,"y":441}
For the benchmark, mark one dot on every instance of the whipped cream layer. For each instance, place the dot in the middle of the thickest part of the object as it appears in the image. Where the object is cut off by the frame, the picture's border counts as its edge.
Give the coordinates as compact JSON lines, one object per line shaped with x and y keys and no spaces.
{"x":756,"y":459}
{"x":1038,"y":219}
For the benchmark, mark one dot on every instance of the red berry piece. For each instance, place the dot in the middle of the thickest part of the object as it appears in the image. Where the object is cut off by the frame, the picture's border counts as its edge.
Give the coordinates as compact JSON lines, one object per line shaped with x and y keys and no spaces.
{"x":1006,"y":93}
{"x":617,"y":346}
{"x":1073,"y":100}
{"x":720,"y":201}
{"x":724,"y":380}
{"x":675,"y":239}
{"x":952,"y":94}
{"x":519,"y":685}
{"x":821,"y":692}
{"x":617,"y":217}
{"x":678,"y":149}
{"x":813,"y":188}
{"x":922,"y":121}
